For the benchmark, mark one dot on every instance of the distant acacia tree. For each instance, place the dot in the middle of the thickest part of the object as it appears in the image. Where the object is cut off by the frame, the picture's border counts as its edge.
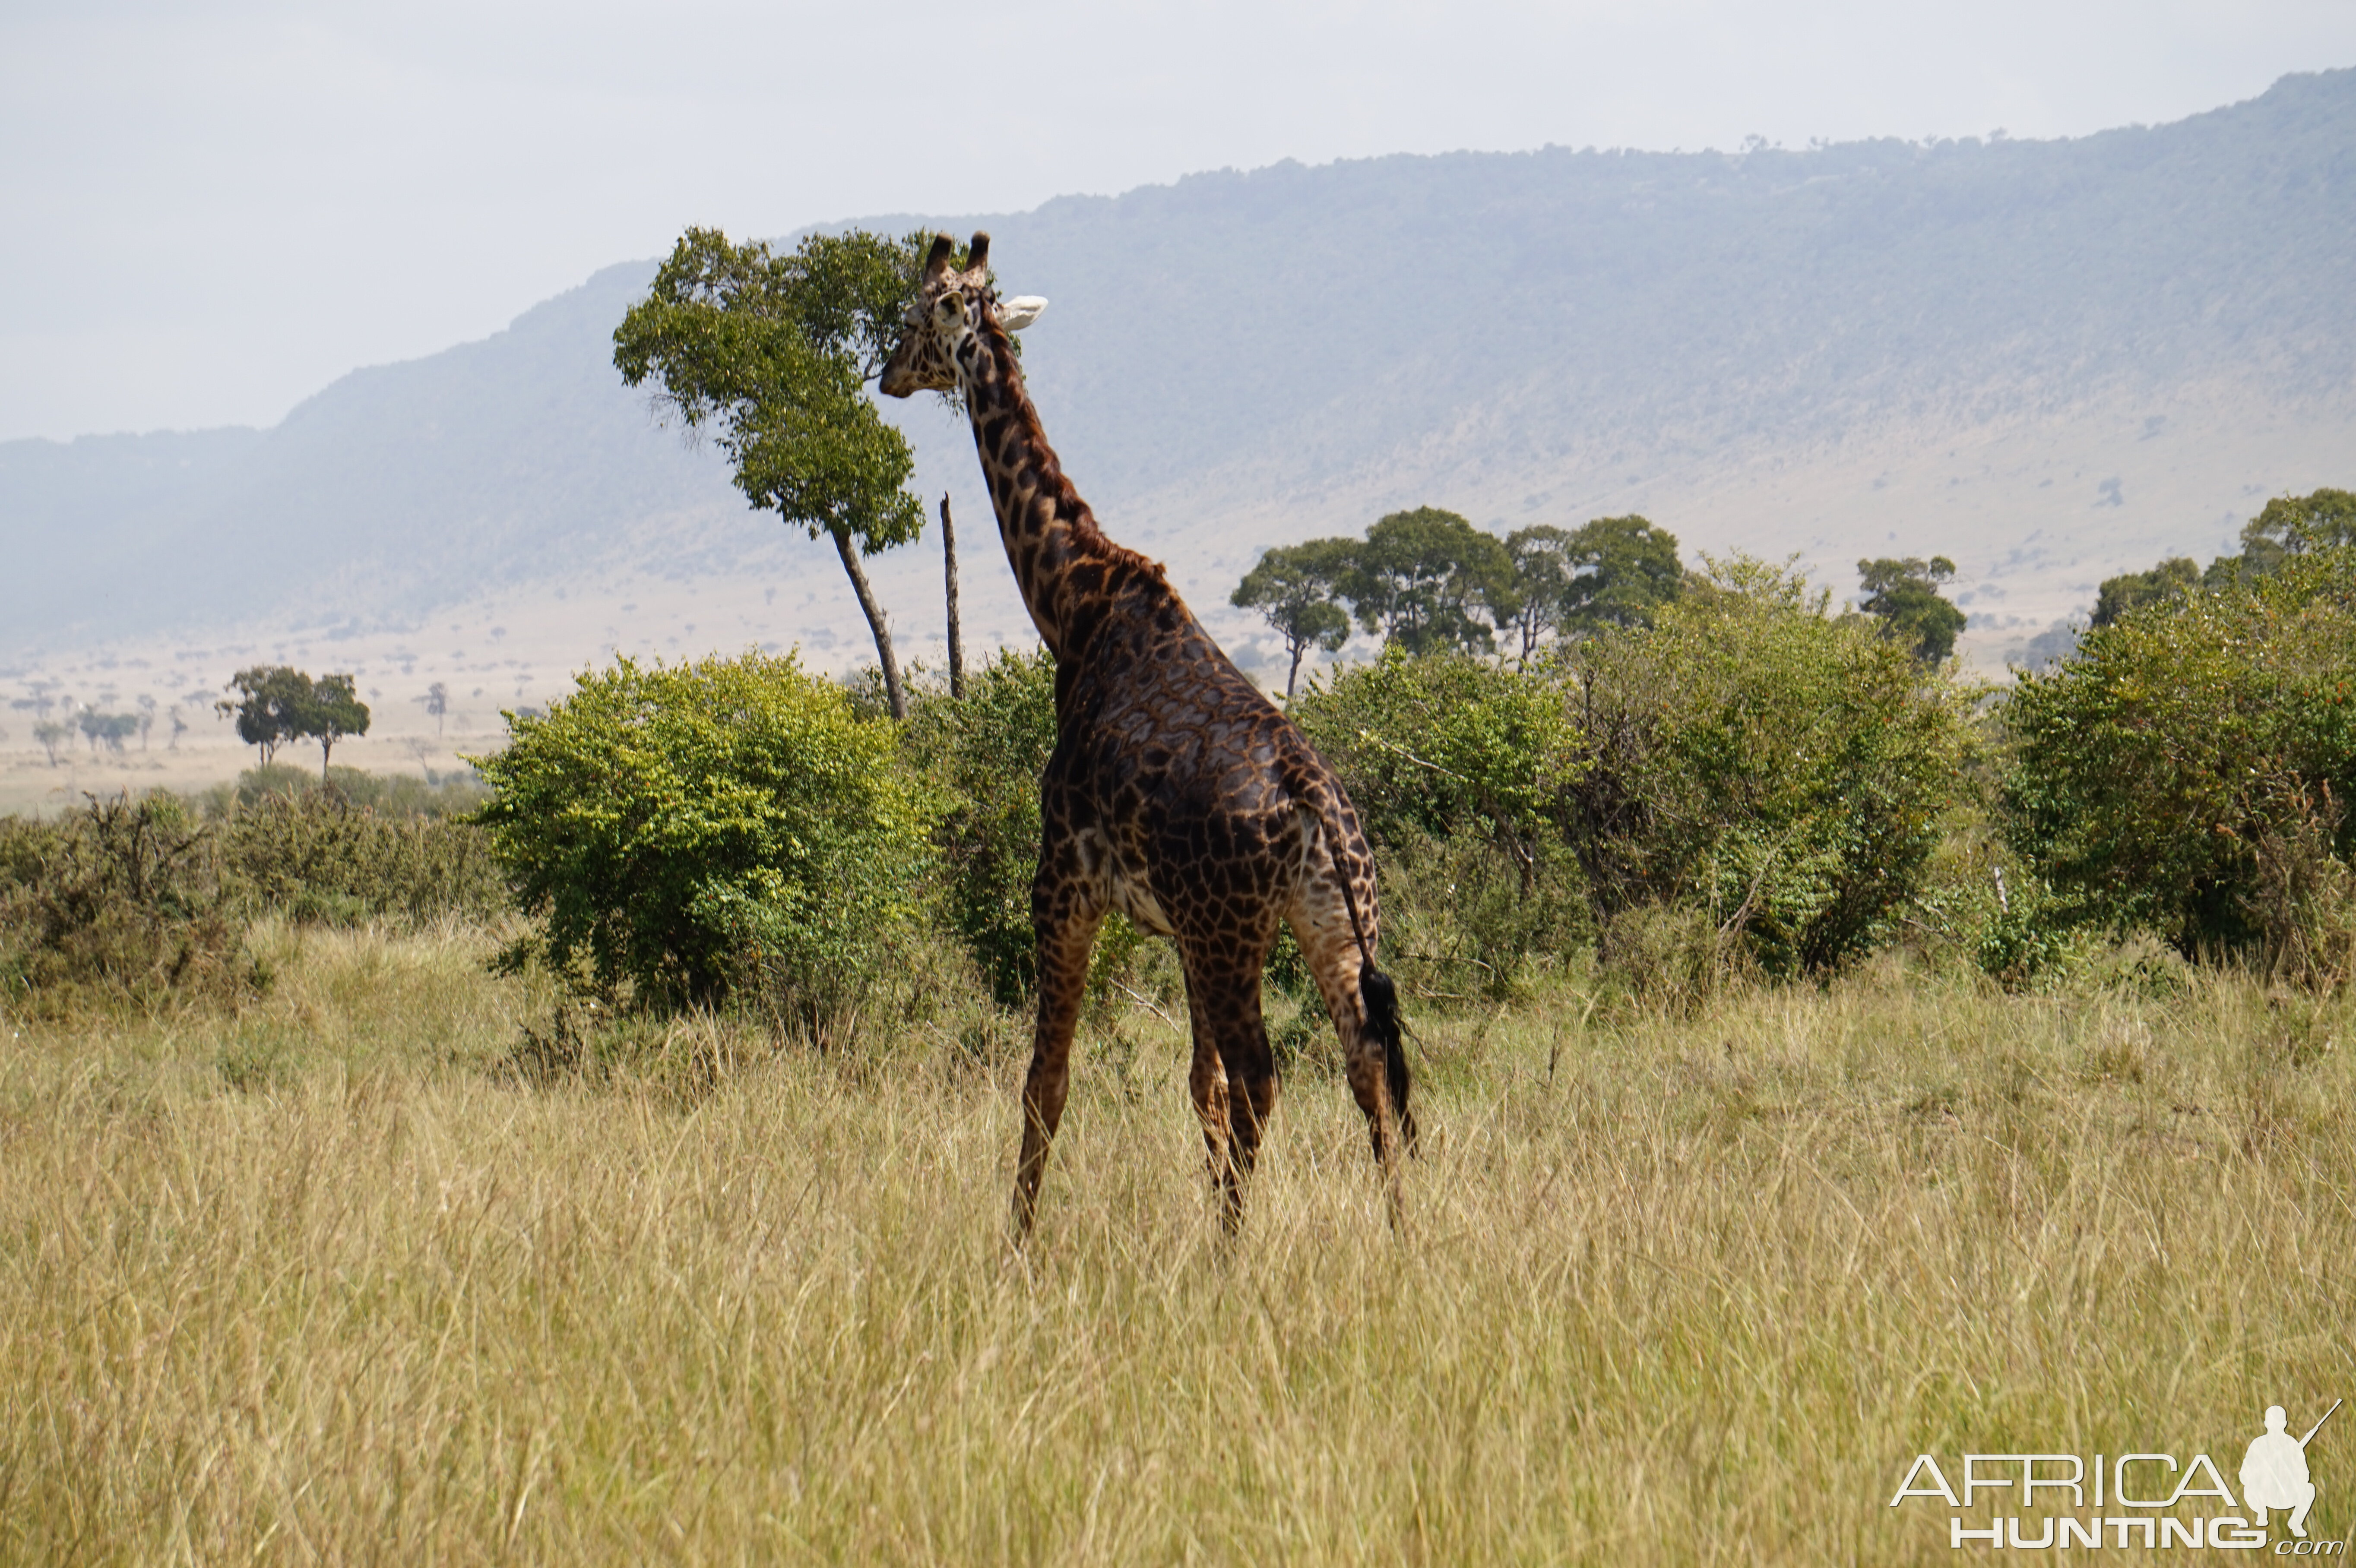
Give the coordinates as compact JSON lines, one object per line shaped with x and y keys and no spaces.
{"x":1905,"y":595}
{"x":1543,"y":569}
{"x":268,"y":706}
{"x":2294,"y":524}
{"x":773,"y":353}
{"x":333,"y":711}
{"x":51,"y":734}
{"x":146,"y":719}
{"x":438,"y":703}
{"x":1293,"y":588}
{"x":1624,"y":571}
{"x":1430,"y":581}
{"x":2132,"y":590}
{"x":107,"y":728}
{"x":278,"y":703}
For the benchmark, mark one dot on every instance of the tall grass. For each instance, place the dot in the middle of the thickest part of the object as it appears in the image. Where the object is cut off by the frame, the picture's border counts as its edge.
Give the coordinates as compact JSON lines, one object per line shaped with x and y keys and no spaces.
{"x":323,"y":1280}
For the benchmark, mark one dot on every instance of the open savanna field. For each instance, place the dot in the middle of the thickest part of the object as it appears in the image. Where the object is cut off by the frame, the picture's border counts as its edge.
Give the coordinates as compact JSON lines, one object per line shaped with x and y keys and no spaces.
{"x":332,"y":1277}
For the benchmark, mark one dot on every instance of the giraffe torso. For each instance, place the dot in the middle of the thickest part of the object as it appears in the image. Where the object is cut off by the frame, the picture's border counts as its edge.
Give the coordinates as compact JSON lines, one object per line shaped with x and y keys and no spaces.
{"x":1192,"y":797}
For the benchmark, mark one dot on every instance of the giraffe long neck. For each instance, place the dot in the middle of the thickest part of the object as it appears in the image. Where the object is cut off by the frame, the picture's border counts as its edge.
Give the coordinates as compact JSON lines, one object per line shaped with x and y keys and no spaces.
{"x":1060,"y":558}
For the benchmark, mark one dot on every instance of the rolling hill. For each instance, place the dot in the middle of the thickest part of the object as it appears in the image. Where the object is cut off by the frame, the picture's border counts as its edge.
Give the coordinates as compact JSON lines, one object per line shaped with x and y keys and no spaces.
{"x":2049,"y":360}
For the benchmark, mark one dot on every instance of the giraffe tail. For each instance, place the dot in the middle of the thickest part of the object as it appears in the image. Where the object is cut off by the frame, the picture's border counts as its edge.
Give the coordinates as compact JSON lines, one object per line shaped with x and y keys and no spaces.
{"x":1376,"y":990}
{"x":1383,"y":1024}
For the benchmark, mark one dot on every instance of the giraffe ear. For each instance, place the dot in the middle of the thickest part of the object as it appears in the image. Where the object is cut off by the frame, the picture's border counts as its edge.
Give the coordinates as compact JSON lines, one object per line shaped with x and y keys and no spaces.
{"x":1020,"y":312}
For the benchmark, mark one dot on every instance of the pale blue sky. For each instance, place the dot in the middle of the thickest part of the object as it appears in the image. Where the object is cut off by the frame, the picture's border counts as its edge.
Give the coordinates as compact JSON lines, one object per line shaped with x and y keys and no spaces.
{"x":213,"y":209}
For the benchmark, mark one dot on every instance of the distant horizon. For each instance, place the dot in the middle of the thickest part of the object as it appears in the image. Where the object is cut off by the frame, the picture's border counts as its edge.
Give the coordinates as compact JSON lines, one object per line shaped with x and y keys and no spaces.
{"x":1994,"y":136}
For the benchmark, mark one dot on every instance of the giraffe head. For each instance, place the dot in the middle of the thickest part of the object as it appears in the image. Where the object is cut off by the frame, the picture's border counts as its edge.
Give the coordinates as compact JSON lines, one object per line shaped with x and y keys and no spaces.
{"x":942,"y":331}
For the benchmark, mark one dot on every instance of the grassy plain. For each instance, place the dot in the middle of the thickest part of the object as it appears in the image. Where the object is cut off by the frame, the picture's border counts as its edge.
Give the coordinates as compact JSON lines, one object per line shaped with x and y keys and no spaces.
{"x":325,"y":1281}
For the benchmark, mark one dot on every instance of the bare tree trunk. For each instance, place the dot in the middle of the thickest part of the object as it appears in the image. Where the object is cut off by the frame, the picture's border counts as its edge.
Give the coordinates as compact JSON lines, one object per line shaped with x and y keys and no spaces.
{"x":957,"y":644}
{"x":874,"y":611}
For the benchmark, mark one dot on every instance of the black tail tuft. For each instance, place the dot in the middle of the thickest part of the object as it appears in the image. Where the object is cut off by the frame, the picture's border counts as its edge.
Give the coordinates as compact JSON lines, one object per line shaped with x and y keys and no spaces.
{"x":1381,"y":997}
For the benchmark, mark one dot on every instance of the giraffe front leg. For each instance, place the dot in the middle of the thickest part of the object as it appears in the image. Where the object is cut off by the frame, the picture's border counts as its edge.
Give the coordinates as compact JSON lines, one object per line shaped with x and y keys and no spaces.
{"x":1067,"y":920}
{"x":1234,"y":1076}
{"x":1206,"y":1081}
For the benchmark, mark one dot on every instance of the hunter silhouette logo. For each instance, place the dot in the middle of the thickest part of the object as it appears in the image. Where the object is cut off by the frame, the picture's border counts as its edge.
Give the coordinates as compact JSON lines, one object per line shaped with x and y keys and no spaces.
{"x":2273,"y":1472}
{"x":2125,"y":1500}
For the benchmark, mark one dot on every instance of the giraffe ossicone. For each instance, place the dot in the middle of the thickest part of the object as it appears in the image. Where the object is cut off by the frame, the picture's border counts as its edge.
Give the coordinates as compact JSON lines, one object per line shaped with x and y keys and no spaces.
{"x":1177,"y":792}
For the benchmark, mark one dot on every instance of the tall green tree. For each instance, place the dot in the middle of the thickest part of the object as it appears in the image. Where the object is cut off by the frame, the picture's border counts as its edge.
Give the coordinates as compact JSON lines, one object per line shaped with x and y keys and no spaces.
{"x":1905,"y":595}
{"x":1294,"y":588}
{"x":2132,"y":590}
{"x":1429,"y":580}
{"x":1544,"y":565}
{"x":772,"y":354}
{"x":2286,"y":528}
{"x":2190,"y":768}
{"x":269,"y":706}
{"x":333,"y":710}
{"x":1624,"y":570}
{"x":1611,"y":571}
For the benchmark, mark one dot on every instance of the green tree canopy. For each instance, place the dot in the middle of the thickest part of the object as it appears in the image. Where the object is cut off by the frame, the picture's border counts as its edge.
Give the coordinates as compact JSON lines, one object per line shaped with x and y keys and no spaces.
{"x":1429,"y":580}
{"x":2133,"y":590}
{"x":772,"y":354}
{"x":1625,"y":570}
{"x":1905,"y":595}
{"x":333,"y":710}
{"x":1783,"y":769}
{"x":1544,"y":562}
{"x":278,"y":703}
{"x":2286,"y":526}
{"x":1294,"y":588}
{"x":269,"y":706}
{"x":1611,"y":571}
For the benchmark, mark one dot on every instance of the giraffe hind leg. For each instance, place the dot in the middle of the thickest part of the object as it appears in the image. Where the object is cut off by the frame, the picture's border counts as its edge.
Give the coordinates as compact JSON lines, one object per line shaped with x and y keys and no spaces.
{"x":1364,"y":1004}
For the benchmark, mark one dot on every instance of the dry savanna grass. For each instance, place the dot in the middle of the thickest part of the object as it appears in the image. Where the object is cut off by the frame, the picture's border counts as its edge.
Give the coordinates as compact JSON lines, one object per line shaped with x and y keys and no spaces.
{"x":321,"y":1282}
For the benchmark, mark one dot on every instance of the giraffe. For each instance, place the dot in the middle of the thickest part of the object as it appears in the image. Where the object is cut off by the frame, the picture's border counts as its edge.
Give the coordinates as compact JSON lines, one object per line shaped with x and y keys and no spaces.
{"x":1176,"y":793}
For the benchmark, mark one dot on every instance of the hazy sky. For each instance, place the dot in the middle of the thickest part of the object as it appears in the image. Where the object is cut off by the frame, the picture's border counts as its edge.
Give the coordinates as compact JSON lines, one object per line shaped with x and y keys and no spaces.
{"x":213,"y":209}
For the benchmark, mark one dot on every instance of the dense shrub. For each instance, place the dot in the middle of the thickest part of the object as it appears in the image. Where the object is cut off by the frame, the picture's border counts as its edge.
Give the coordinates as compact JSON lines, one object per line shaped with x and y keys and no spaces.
{"x":122,"y":900}
{"x":309,"y":856}
{"x":2192,"y":768}
{"x":1458,"y":769}
{"x":1751,"y":757}
{"x":985,"y":753}
{"x":680,"y":831}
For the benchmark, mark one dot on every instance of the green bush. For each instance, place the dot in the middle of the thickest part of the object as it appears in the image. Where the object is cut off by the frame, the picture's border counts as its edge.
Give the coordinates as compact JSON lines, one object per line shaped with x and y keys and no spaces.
{"x":1751,"y":757}
{"x":985,"y":753}
{"x":2190,"y":769}
{"x":124,"y":900}
{"x":1458,"y":769}
{"x":682,"y":831}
